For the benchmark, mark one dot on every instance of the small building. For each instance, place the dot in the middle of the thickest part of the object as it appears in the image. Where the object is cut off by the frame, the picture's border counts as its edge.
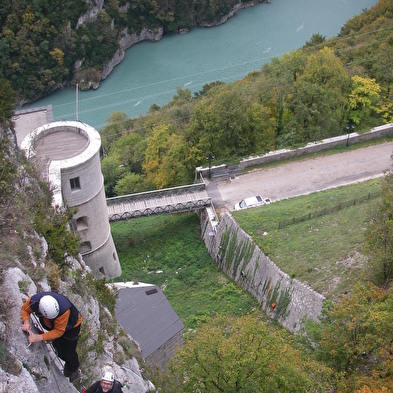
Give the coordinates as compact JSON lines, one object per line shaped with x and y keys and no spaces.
{"x":146,"y":315}
{"x":69,"y":155}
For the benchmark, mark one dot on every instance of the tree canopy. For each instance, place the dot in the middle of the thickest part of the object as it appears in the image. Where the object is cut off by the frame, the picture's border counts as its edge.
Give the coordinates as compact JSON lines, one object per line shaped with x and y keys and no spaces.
{"x":243,"y":355}
{"x":44,"y":44}
{"x":307,"y":95}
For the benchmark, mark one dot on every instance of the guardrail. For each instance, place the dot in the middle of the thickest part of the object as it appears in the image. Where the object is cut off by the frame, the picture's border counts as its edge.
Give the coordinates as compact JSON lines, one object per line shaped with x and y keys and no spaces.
{"x":172,"y":208}
{"x":156,"y":194}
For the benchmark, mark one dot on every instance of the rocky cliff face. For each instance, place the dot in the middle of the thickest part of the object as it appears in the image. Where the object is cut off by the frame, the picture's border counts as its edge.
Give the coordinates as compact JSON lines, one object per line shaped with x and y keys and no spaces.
{"x":25,"y":269}
{"x":95,"y":8}
{"x":36,"y":368}
{"x":126,"y":41}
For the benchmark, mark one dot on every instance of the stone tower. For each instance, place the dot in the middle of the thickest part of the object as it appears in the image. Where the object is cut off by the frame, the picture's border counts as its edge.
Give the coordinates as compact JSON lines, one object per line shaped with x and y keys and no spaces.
{"x":69,"y":152}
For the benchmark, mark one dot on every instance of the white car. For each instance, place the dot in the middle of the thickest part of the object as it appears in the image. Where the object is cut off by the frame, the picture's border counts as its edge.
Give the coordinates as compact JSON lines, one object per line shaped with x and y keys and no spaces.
{"x":251,"y":202}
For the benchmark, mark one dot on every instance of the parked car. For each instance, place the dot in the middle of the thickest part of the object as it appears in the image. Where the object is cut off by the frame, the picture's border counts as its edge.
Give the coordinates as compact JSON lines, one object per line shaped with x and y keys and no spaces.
{"x":252,"y":202}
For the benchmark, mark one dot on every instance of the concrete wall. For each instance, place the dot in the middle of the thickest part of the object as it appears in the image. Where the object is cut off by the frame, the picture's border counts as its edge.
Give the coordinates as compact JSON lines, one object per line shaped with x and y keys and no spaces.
{"x":313,"y":147}
{"x":164,"y":354}
{"x":282,"y":297}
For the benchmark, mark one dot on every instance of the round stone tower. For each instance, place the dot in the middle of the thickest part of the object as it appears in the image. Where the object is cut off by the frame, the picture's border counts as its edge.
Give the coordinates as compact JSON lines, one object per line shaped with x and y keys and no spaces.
{"x":69,"y":153}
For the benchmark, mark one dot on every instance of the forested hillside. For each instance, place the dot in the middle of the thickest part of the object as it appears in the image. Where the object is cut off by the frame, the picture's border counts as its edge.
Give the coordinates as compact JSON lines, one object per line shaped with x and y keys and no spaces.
{"x":41,"y":41}
{"x":325,"y":89}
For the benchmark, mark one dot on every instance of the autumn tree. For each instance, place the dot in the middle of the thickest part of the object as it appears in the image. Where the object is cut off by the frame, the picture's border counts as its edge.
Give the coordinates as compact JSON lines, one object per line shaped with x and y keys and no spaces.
{"x":166,"y":158}
{"x":355,"y":338}
{"x":363,"y":98}
{"x":230,"y":354}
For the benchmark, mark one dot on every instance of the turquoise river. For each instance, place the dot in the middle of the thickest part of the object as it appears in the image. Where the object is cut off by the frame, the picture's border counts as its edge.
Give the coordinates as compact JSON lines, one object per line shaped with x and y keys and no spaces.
{"x":151,"y":72}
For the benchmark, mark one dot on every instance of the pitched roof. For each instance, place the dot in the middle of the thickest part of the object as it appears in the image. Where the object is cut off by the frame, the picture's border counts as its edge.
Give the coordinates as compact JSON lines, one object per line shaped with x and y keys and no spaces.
{"x":146,"y":315}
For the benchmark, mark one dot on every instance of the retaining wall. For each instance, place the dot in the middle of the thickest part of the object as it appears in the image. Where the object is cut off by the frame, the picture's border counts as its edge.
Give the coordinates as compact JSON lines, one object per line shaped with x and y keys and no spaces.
{"x":234,"y":251}
{"x":314,"y":147}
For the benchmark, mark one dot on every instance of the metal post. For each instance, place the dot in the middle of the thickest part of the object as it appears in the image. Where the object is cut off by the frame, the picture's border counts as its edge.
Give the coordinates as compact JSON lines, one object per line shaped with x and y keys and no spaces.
{"x":349,"y":127}
{"x":209,"y":157}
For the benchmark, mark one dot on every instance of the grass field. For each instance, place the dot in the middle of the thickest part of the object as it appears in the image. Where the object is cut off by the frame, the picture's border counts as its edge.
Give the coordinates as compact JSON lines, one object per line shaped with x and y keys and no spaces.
{"x":168,"y":251}
{"x":325,"y":251}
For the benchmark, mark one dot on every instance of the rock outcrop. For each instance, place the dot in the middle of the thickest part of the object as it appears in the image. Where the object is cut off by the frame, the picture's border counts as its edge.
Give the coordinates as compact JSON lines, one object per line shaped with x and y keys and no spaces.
{"x":36,"y":368}
{"x":126,"y":41}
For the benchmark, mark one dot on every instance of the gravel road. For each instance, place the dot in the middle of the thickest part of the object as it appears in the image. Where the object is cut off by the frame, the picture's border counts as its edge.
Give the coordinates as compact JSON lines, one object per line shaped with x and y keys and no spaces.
{"x":304,"y":177}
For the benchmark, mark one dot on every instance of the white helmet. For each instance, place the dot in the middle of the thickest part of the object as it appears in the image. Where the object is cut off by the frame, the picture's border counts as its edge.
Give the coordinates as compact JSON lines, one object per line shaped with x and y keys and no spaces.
{"x":108,"y":376}
{"x":49,"y":307}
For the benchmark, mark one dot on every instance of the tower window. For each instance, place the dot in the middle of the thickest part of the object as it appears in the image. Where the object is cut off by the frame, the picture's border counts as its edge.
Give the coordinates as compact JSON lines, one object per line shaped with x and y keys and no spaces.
{"x":81,"y":223}
{"x":75,"y":184}
{"x":85,"y":247}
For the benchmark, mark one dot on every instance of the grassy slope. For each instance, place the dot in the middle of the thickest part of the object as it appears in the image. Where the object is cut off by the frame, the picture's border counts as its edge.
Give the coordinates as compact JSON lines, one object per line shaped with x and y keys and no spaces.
{"x":191,"y":282}
{"x":323,"y":251}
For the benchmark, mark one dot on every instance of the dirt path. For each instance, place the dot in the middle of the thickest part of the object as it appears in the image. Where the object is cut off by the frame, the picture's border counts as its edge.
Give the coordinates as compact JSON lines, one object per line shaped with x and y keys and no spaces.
{"x":304,"y":177}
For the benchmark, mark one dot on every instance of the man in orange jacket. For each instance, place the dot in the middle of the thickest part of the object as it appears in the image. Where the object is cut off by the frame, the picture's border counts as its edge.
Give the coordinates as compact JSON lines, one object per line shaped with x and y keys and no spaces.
{"x":62,"y":321}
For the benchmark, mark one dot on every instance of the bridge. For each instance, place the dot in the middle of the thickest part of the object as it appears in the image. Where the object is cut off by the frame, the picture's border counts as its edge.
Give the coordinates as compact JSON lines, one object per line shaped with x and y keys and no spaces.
{"x":168,"y":200}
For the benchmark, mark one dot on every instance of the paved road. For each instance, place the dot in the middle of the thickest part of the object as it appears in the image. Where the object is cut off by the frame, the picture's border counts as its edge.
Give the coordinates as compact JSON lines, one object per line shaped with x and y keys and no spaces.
{"x":304,"y":177}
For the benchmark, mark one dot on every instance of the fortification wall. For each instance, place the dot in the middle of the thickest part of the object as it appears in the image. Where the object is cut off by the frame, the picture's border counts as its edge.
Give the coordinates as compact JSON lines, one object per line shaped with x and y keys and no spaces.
{"x":314,"y":147}
{"x":285,"y":299}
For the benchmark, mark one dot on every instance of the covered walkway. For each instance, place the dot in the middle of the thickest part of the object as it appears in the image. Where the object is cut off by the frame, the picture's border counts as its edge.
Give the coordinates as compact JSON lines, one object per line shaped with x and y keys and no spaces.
{"x":168,"y":200}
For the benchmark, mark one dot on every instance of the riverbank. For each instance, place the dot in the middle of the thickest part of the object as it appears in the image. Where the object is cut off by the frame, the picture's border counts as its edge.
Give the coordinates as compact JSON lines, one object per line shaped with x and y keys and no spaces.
{"x":128,"y":40}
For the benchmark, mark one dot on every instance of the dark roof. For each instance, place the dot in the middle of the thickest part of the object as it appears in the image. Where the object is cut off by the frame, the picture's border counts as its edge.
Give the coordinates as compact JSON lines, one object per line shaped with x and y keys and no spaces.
{"x":146,"y":315}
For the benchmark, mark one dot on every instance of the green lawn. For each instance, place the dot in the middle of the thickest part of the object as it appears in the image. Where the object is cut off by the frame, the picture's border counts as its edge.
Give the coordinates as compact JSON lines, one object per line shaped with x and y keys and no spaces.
{"x":323,"y":252}
{"x":168,"y":251}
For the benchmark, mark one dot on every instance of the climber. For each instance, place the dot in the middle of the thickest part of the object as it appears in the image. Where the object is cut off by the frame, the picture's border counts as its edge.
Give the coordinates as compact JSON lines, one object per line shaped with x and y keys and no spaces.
{"x":62,"y":321}
{"x":107,"y":384}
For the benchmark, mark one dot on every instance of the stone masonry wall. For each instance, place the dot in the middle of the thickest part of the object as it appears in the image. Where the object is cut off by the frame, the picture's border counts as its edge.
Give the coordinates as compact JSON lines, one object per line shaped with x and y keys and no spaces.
{"x":164,"y":354}
{"x":313,"y":147}
{"x":234,"y":251}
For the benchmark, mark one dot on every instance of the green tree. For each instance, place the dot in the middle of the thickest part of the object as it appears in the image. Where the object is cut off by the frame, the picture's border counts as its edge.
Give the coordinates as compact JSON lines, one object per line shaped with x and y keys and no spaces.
{"x":384,"y":73}
{"x":318,"y":97}
{"x":112,"y":171}
{"x":117,"y":124}
{"x":316,"y":40}
{"x":131,"y":183}
{"x":260,"y":128}
{"x":130,"y":151}
{"x":53,"y":225}
{"x":7,"y":101}
{"x":378,"y":245}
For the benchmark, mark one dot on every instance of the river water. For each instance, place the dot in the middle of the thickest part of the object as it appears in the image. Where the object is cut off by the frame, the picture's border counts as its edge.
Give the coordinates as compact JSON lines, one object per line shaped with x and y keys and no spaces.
{"x":151,"y":72}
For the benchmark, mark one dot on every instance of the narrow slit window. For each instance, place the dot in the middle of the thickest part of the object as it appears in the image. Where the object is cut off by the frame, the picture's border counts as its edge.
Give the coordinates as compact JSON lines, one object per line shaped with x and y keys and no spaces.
{"x":81,"y":224}
{"x":85,"y":247}
{"x":75,"y":184}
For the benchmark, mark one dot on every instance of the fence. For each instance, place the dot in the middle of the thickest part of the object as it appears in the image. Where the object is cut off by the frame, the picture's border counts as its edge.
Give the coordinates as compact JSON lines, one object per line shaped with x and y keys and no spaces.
{"x":341,"y":205}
